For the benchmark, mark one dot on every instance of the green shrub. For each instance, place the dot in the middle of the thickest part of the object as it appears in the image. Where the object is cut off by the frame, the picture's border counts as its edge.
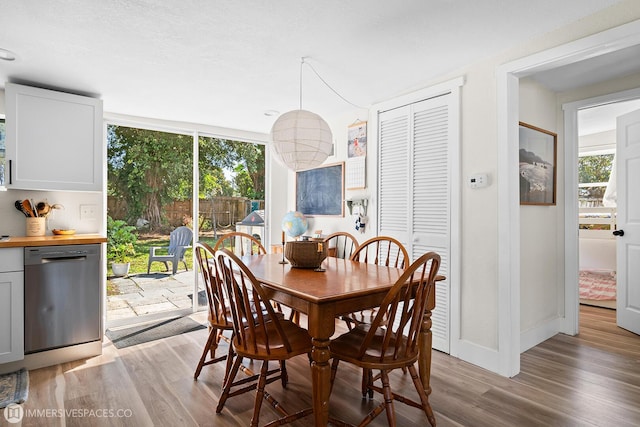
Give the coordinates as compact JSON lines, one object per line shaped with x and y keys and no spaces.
{"x":120,"y":240}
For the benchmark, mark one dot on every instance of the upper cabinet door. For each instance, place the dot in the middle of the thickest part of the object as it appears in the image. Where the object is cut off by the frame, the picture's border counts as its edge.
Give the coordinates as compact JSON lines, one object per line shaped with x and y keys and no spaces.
{"x":53,"y":140}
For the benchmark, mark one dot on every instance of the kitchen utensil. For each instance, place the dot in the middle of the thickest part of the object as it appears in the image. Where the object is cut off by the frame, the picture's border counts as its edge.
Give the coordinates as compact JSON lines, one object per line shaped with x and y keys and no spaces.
{"x":26,"y":206}
{"x":18,"y":206}
{"x":43,"y":208}
{"x":32,"y":204}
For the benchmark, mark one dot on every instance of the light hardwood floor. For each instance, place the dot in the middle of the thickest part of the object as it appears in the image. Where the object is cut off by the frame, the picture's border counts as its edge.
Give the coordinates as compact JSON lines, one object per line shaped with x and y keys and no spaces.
{"x":590,"y":379}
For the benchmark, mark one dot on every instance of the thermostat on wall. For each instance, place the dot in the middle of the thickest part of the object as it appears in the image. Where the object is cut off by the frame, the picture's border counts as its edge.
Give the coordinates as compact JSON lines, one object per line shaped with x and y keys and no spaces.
{"x":479,"y":180}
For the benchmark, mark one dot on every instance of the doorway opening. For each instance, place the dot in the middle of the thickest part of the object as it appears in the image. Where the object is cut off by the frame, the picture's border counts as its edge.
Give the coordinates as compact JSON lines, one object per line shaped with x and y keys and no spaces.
{"x":596,"y":139}
{"x":164,"y":185}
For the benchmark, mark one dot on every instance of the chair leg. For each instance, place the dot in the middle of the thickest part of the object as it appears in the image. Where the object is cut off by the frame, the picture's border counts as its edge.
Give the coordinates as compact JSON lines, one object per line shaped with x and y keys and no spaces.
{"x":423,"y":396}
{"x":284,"y":377}
{"x":210,"y":346}
{"x":228,"y":383}
{"x":367,"y":380}
{"x":262,"y":381}
{"x":388,"y":399}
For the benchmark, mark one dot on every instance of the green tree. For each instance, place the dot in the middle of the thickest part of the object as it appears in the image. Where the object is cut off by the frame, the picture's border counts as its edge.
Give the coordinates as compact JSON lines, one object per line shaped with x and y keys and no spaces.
{"x":217,"y":153}
{"x":148,"y":169}
{"x":595,"y":168}
{"x":243,"y":183}
{"x":252,"y":157}
{"x":214,"y":183}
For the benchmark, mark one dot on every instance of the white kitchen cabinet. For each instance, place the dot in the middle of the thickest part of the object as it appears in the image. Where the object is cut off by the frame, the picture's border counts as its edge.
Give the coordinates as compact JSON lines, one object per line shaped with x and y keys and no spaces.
{"x":11,"y":304}
{"x":53,"y":140}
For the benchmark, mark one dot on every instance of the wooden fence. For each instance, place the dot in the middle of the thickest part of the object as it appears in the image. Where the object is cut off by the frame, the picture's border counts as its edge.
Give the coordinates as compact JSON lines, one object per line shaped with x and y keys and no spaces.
{"x":224,"y":212}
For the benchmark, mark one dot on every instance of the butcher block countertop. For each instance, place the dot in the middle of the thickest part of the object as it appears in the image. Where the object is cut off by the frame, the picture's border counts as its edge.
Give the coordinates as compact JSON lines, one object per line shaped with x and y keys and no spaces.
{"x":75,"y":239}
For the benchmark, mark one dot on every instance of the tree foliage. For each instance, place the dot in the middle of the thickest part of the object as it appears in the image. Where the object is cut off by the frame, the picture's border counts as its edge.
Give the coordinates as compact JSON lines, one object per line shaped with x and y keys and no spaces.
{"x":149,"y":169}
{"x":595,"y":168}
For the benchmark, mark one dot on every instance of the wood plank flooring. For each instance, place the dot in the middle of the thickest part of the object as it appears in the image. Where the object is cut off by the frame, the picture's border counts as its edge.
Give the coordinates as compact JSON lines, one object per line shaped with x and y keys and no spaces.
{"x":592,"y":379}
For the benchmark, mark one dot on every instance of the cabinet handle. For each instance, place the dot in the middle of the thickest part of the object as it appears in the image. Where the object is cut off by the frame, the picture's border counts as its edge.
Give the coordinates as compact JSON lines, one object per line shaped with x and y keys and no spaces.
{"x":10,"y":173}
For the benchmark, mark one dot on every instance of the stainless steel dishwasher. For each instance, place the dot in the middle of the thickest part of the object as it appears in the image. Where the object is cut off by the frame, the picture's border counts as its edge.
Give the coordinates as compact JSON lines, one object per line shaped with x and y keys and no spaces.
{"x":61,"y":296}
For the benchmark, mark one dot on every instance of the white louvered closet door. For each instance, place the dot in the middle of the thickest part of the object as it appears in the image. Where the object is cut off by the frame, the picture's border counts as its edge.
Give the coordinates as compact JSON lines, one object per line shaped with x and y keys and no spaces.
{"x":414,"y":190}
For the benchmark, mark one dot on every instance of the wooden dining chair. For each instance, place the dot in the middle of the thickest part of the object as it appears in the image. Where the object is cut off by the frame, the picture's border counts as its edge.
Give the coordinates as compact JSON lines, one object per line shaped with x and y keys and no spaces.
{"x":341,"y":244}
{"x":219,"y":315}
{"x":259,"y":334}
{"x":380,"y":250}
{"x":243,"y":244}
{"x":240,"y":243}
{"x":391,"y":340}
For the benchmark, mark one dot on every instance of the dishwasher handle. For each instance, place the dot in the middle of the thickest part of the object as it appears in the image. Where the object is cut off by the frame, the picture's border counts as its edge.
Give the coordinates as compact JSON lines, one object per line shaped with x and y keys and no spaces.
{"x":62,"y":259}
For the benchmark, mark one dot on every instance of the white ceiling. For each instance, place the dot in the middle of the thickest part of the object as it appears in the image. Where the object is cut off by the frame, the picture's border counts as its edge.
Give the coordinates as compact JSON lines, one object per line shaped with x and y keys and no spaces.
{"x":603,"y":118}
{"x":224,"y":63}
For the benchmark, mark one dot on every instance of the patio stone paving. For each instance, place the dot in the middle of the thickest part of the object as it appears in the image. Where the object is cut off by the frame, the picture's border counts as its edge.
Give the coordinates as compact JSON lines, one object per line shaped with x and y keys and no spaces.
{"x":141,"y":294}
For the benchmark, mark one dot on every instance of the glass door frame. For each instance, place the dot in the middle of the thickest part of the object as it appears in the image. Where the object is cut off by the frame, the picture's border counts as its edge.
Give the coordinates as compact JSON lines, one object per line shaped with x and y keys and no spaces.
{"x":196,"y":131}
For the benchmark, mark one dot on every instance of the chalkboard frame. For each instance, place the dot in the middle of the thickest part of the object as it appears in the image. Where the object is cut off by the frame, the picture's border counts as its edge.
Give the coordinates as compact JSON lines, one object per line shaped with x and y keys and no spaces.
{"x":326,"y":185}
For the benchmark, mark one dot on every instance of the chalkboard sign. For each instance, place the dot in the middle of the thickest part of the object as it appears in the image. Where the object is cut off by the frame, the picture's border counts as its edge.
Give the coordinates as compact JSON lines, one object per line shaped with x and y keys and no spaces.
{"x":320,"y":191}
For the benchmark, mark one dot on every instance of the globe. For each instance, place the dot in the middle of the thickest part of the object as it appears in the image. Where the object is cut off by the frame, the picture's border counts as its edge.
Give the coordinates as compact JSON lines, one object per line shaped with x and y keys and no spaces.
{"x":294,"y":224}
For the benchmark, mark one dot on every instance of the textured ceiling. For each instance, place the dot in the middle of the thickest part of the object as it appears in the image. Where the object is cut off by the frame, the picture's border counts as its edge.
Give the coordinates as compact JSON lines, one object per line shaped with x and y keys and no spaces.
{"x":224,"y":63}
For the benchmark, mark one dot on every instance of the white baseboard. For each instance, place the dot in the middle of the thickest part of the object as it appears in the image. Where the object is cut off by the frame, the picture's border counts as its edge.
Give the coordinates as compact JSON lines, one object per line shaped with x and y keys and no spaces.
{"x":484,"y":357}
{"x":54,"y":357}
{"x":543,"y":331}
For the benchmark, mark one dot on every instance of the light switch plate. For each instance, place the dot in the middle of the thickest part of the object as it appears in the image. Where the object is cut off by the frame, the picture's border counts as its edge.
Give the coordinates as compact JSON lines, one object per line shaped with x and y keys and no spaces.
{"x":88,"y":212}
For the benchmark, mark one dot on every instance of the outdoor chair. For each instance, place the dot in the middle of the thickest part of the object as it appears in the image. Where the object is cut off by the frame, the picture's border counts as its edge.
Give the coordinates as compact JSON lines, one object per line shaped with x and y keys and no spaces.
{"x":391,"y":340}
{"x":179,"y":241}
{"x":259,"y":333}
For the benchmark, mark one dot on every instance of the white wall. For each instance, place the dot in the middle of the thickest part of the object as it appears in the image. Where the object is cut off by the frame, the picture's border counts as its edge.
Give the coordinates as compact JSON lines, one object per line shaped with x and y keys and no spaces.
{"x":12,"y":222}
{"x":339,"y":127}
{"x":479,"y":152}
{"x":597,"y":141}
{"x":479,"y":277}
{"x":541,"y":227}
{"x":597,"y":254}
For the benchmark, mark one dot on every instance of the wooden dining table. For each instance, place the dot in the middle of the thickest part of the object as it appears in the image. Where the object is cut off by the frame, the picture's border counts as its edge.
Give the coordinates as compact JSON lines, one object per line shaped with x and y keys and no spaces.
{"x":343,"y":287}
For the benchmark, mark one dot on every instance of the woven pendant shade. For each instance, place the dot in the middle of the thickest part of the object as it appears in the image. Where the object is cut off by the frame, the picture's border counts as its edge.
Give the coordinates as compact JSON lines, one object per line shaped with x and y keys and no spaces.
{"x":301,"y":140}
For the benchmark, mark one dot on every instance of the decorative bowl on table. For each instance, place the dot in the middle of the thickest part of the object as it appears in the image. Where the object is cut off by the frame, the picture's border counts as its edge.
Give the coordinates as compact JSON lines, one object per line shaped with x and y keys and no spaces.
{"x":306,"y":253}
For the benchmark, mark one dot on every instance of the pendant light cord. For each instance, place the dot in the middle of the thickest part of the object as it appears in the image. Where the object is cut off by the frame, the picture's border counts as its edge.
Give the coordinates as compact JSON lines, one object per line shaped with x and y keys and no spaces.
{"x":302,"y":62}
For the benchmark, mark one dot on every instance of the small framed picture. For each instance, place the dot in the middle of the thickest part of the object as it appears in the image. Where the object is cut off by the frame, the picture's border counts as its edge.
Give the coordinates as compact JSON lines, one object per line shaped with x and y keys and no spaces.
{"x":357,"y":140}
{"x":538,"y":153}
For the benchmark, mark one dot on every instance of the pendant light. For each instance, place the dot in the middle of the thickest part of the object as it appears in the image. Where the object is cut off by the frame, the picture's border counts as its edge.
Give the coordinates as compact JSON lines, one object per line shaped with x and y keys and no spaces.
{"x":301,"y":139}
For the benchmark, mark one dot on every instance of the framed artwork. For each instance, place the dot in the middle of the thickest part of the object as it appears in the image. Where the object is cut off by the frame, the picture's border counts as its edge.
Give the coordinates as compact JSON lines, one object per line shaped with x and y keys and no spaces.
{"x":357,"y":140}
{"x":320,"y":191}
{"x":537,"y":165}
